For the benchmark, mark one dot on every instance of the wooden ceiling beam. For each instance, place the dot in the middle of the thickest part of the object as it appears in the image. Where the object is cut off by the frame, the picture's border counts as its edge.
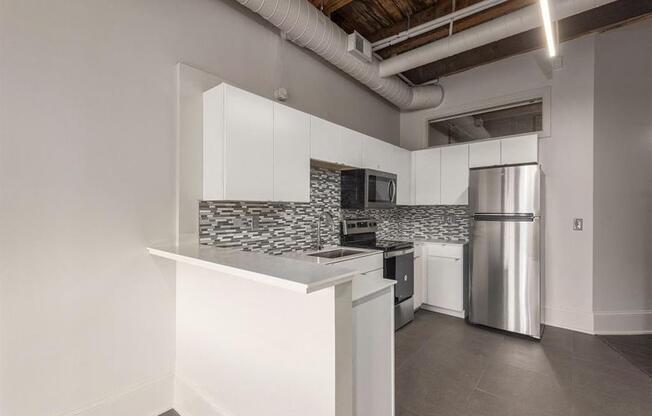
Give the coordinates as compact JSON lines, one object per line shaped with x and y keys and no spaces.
{"x":601,"y":18}
{"x":330,"y":6}
{"x":439,"y":9}
{"x":334,"y":5}
{"x":459,"y":25}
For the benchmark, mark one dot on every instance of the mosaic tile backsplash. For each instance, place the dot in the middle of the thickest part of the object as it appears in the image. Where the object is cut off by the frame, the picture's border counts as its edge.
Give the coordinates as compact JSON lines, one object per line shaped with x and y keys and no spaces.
{"x":275,"y":228}
{"x":270,"y":227}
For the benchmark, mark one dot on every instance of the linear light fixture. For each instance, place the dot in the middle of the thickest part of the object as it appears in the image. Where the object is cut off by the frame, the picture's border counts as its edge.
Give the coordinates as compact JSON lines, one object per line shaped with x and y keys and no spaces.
{"x":547,"y":27}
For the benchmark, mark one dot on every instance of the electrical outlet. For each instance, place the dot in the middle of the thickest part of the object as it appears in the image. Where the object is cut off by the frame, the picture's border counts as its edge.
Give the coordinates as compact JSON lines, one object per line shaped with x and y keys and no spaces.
{"x":578,"y":224}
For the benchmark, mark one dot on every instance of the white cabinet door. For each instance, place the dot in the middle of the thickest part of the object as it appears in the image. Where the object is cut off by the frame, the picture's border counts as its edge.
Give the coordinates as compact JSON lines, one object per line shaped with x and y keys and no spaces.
{"x":455,"y":175}
{"x":445,"y":282}
{"x":377,"y":154}
{"x":403,"y":160}
{"x":351,"y":148}
{"x":427,"y":177}
{"x":373,"y":356}
{"x":291,"y":154}
{"x":486,"y":153}
{"x":445,"y":278}
{"x":248,"y":147}
{"x":522,"y":149}
{"x":419,"y":283}
{"x":325,"y":140}
{"x":213,"y":144}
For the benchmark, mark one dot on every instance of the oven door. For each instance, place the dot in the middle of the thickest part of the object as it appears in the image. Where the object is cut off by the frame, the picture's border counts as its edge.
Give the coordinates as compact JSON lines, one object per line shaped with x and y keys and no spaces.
{"x":380,"y":189}
{"x":399,"y":266}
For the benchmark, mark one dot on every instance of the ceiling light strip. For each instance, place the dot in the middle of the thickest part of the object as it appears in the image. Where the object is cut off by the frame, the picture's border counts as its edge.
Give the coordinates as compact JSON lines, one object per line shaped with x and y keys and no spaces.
{"x":547,"y":27}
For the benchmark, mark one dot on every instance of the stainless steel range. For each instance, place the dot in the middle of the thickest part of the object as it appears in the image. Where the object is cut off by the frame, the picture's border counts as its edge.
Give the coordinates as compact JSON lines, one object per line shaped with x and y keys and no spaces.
{"x":398,"y":263}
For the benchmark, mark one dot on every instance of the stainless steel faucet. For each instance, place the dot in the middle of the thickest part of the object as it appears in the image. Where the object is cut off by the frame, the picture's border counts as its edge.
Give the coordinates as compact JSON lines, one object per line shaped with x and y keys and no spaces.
{"x":329,"y":221}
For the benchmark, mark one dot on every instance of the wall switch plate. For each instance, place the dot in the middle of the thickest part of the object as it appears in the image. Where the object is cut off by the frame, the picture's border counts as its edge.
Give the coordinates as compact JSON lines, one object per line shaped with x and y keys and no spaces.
{"x":578,"y":224}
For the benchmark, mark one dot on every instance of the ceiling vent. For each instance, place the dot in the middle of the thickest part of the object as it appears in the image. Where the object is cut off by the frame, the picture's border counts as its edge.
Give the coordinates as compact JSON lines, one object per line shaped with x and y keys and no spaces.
{"x":359,"y":47}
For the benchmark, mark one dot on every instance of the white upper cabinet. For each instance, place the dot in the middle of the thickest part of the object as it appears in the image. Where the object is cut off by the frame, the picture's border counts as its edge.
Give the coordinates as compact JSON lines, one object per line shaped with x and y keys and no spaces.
{"x":291,"y":154}
{"x":325,"y":140}
{"x":378,"y":155}
{"x":427,"y":176}
{"x":455,"y":175}
{"x":403,"y":168}
{"x":522,"y":149}
{"x":351,"y":147}
{"x":485,"y":153}
{"x":238,"y":162}
{"x":509,"y":151}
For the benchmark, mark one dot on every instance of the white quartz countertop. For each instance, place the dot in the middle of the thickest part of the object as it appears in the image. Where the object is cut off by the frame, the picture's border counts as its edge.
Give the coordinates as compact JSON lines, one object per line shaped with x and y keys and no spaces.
{"x":288,"y":273}
{"x":365,"y":287}
{"x":439,"y":241}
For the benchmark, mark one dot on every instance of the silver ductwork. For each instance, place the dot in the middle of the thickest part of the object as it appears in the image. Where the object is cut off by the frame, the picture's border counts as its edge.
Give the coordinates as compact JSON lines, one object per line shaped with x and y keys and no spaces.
{"x":502,"y":27}
{"x":306,"y":26}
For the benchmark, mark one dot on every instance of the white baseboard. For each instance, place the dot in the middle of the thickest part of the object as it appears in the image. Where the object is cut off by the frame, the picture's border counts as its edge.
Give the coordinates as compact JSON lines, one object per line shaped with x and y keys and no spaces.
{"x":574,"y":320}
{"x":150,"y":398}
{"x":445,"y":311}
{"x":189,"y":400}
{"x":623,"y":322}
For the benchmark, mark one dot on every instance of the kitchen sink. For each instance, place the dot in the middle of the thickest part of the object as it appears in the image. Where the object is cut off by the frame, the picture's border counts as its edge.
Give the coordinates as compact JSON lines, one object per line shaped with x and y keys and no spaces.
{"x":334,"y":254}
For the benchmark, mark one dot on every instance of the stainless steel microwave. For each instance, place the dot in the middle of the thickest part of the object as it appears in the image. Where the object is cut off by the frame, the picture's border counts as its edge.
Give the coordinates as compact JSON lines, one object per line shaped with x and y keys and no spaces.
{"x":366,"y":188}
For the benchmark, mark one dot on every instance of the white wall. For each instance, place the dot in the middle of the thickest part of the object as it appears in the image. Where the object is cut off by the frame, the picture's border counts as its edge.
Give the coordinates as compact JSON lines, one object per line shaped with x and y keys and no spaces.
{"x":623,"y":180}
{"x":566,"y":157}
{"x":87,"y":173}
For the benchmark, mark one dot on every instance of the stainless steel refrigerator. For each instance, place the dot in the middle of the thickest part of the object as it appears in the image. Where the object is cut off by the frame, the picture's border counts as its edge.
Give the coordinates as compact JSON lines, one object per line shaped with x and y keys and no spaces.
{"x":506,"y":248}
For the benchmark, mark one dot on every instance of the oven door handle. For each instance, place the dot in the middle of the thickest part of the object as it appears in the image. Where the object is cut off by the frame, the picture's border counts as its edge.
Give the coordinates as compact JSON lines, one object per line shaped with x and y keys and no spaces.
{"x":391,"y":254}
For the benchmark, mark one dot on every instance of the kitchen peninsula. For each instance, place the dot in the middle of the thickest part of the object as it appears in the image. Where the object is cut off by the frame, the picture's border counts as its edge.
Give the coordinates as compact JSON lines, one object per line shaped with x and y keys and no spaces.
{"x":292,"y":331}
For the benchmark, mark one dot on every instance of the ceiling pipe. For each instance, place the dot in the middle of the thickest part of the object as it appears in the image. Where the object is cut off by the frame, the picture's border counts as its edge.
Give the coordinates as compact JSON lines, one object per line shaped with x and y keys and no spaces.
{"x":502,"y":27}
{"x":306,"y":26}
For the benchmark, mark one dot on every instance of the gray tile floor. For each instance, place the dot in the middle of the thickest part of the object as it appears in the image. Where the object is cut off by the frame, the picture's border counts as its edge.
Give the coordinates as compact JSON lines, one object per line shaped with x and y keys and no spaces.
{"x":446,"y":367}
{"x":637,"y":349}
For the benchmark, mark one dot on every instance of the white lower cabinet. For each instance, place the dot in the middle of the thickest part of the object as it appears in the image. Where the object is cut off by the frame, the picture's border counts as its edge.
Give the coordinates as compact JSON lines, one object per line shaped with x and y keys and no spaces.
{"x":445,"y":278}
{"x":419,"y":282}
{"x":373,"y":341}
{"x":373,"y":356}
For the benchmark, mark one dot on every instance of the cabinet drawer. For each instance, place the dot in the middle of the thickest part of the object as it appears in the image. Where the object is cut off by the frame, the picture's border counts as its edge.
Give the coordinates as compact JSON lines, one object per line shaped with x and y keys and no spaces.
{"x":364,"y":264}
{"x":445,"y":250}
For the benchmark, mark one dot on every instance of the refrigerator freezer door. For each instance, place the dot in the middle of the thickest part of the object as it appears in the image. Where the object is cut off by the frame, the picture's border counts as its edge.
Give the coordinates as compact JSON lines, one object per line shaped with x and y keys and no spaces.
{"x":505,"y":190}
{"x":505,"y":275}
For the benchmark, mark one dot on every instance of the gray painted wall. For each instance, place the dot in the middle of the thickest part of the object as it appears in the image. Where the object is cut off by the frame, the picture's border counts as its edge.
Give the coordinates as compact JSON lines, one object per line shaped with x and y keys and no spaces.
{"x":87,"y":175}
{"x":623,"y":170}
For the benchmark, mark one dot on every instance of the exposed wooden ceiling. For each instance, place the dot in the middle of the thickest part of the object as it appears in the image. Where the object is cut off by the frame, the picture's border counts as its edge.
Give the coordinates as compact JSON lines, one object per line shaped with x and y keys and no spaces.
{"x":380,"y":19}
